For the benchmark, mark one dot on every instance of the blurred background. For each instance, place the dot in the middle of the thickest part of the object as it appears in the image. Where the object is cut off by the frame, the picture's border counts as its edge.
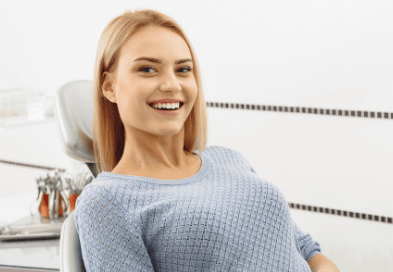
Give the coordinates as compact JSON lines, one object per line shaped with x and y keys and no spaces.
{"x":330,"y":61}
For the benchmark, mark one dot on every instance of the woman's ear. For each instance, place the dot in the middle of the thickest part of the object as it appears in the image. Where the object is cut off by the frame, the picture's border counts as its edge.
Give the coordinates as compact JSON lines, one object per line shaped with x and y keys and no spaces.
{"x":107,"y":88}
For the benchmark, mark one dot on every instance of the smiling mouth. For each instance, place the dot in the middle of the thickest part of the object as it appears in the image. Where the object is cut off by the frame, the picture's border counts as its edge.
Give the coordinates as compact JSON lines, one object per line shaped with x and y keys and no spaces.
{"x":181,"y":105}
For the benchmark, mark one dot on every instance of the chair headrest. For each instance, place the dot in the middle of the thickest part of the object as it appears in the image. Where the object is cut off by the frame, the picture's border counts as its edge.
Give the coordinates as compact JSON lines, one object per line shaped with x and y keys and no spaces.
{"x":73,"y":111}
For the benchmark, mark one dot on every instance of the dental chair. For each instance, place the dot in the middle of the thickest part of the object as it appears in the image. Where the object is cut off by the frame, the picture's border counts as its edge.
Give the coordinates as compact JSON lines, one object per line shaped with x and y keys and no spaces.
{"x":73,"y":111}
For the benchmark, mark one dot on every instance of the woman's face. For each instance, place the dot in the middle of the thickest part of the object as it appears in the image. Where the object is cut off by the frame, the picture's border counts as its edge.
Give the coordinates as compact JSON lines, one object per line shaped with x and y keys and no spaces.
{"x":137,"y":82}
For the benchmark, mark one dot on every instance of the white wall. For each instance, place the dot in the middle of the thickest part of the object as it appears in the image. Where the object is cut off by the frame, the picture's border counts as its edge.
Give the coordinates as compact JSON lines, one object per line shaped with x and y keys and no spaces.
{"x":331,"y":55}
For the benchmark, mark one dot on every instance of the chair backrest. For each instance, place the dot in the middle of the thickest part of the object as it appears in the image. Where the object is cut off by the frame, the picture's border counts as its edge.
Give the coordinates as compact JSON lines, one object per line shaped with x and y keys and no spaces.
{"x":73,"y":111}
{"x":70,"y":248}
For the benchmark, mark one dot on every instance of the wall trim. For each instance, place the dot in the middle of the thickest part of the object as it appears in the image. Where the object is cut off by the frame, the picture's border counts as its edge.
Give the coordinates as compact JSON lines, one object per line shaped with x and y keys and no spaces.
{"x":33,"y":166}
{"x":356,"y":215}
{"x":306,"y":110}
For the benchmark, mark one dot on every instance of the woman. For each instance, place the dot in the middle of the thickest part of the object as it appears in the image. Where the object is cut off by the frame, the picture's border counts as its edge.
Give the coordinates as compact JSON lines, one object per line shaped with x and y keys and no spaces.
{"x":156,"y":205}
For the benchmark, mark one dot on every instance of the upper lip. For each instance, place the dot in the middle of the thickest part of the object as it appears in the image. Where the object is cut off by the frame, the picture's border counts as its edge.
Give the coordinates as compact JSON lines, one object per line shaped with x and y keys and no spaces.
{"x":166,"y":100}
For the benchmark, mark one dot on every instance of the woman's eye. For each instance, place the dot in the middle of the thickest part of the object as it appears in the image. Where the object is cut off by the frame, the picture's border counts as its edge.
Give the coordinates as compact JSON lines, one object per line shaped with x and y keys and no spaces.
{"x":145,"y":67}
{"x":188,"y":69}
{"x":149,"y":67}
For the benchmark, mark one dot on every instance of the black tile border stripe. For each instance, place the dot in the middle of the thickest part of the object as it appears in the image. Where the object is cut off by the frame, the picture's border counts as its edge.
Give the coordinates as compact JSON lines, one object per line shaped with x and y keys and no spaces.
{"x":309,"y":208}
{"x":306,"y":110}
{"x":356,"y":215}
{"x":18,"y":268}
{"x":33,"y":166}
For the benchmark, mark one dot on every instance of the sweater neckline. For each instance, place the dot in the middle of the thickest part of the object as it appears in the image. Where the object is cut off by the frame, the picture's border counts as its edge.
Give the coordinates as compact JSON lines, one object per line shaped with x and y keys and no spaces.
{"x":203,"y":171}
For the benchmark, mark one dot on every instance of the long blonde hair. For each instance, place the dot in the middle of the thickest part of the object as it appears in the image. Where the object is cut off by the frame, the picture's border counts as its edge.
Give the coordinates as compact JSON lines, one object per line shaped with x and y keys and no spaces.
{"x":108,"y":129}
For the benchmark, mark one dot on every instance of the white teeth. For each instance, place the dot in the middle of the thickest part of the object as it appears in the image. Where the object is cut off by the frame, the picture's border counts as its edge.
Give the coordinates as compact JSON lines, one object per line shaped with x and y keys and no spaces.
{"x":166,"y":106}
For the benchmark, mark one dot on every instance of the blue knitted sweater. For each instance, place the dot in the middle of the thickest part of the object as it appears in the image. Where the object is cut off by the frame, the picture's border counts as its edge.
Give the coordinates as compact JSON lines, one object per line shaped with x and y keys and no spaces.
{"x":224,"y":218}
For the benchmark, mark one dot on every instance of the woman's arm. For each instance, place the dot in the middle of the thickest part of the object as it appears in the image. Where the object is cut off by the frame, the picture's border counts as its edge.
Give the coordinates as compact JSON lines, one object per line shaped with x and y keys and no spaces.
{"x":111,"y":239}
{"x":319,"y":263}
{"x":308,"y":246}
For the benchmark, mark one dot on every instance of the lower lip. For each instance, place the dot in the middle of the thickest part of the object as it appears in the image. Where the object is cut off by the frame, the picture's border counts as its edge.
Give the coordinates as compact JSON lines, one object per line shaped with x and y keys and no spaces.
{"x":165,"y":112}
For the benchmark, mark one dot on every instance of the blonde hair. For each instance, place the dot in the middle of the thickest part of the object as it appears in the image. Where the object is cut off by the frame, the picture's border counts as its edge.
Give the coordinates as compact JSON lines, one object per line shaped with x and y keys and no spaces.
{"x":108,"y":129}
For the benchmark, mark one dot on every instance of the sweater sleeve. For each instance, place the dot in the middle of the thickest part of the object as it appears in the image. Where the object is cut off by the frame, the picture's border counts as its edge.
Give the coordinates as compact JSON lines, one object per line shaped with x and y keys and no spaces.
{"x":110,"y":237}
{"x":308,"y":246}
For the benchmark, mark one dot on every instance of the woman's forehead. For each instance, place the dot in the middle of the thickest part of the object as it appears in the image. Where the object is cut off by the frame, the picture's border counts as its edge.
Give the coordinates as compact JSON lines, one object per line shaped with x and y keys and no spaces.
{"x":156,"y":42}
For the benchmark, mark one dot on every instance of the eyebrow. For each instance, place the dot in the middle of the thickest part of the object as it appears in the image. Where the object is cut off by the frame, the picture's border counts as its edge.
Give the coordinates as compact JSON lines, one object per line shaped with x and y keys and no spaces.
{"x":159,"y":61}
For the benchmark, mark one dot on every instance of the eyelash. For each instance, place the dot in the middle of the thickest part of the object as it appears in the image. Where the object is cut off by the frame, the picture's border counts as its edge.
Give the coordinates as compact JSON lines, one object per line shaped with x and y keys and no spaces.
{"x":143,"y":67}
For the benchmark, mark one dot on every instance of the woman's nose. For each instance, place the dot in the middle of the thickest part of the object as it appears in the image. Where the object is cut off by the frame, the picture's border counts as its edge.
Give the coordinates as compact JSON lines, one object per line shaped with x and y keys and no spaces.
{"x":170,"y":82}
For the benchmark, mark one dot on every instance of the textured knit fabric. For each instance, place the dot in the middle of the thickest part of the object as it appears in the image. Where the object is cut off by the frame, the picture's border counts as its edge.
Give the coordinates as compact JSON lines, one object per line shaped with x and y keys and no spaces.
{"x":224,"y":218}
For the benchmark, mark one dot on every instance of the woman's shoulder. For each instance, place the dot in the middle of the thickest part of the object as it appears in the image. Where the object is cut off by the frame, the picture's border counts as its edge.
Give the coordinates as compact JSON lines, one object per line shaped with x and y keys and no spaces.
{"x":94,"y":194}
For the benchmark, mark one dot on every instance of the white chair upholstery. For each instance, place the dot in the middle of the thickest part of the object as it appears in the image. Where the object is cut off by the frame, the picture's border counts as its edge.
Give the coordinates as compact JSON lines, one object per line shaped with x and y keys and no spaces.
{"x":70,"y":248}
{"x":73,"y":111}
